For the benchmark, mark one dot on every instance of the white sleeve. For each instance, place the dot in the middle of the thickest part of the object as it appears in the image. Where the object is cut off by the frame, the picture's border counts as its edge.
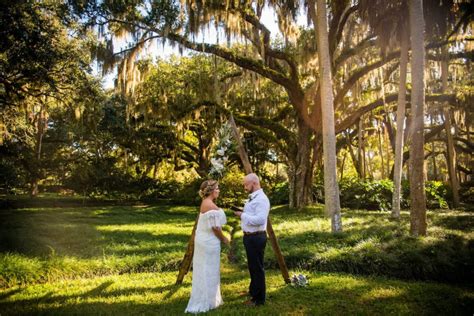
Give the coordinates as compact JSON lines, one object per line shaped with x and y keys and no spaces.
{"x":213,"y":220}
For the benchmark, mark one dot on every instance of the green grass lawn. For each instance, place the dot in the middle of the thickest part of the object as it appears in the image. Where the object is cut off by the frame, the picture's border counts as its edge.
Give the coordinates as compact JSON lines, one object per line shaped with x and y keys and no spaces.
{"x":123,"y":260}
{"x":155,"y":293}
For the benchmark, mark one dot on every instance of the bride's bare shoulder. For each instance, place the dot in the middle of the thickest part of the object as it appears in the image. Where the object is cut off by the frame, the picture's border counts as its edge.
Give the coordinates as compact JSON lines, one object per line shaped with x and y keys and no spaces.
{"x":207,"y":205}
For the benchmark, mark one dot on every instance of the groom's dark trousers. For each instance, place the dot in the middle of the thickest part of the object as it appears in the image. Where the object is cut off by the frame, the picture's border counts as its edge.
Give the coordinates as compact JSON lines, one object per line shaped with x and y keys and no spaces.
{"x":255,"y":248}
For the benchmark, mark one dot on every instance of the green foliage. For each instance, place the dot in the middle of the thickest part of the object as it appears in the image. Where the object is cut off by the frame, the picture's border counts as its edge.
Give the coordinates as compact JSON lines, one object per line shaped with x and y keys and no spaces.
{"x":373,"y":244}
{"x":11,"y":176}
{"x":366,"y":194}
{"x":279,"y":194}
{"x":466,"y":193}
{"x":103,"y":179}
{"x":232,"y":190}
{"x":97,"y":178}
{"x":38,"y":50}
{"x":436,"y":194}
{"x":356,"y":193}
{"x":188,"y":194}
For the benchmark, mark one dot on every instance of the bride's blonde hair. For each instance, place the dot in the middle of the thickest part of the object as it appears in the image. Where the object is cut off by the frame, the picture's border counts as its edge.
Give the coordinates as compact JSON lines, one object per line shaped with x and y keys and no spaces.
{"x":207,"y":187}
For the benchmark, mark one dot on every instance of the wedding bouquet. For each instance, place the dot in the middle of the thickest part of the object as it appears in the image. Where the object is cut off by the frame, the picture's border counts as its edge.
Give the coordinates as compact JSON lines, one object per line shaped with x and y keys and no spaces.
{"x":299,"y":280}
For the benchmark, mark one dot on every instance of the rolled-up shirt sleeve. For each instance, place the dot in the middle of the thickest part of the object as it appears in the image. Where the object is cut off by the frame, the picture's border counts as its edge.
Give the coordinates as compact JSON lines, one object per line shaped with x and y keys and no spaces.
{"x":262,"y":208}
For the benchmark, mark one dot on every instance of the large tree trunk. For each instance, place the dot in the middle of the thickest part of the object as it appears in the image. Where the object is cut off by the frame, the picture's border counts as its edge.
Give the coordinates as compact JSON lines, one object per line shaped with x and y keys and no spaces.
{"x":433,"y":149}
{"x":355,"y":161}
{"x":379,"y":134}
{"x":417,"y":180}
{"x":299,"y":170}
{"x":360,"y":150}
{"x":41,"y":122}
{"x":398,"y":163}
{"x":331,"y":188}
{"x":451,"y":161}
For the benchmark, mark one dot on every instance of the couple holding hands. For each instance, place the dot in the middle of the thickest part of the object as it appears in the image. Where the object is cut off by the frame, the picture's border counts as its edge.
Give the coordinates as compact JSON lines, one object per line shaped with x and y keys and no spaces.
{"x":206,"y":293}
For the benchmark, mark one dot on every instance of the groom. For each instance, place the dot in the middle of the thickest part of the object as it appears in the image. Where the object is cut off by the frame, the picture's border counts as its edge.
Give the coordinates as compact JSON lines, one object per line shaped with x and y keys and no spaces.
{"x":254,"y":225}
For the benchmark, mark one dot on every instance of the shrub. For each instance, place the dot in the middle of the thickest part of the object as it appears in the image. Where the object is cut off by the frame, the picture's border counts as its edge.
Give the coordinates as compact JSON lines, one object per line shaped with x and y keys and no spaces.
{"x":188,"y":194}
{"x":232,"y":190}
{"x":436,"y":194}
{"x":279,"y":194}
{"x":366,"y":194}
{"x":466,"y":193}
{"x":372,"y":244}
{"x":11,"y":176}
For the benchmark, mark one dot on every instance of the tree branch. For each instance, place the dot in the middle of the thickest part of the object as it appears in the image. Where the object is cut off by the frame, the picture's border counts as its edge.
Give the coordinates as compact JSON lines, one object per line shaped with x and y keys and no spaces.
{"x":354,"y":117}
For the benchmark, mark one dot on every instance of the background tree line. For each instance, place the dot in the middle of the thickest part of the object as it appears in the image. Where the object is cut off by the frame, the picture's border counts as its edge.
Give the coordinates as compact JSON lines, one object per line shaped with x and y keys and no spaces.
{"x":155,"y":133}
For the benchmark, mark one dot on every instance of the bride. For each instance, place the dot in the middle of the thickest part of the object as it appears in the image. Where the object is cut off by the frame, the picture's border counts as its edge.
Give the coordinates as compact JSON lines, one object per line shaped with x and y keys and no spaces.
{"x":206,"y":292}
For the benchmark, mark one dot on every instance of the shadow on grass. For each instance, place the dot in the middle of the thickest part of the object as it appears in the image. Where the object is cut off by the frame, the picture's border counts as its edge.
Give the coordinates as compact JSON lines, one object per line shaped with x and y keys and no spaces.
{"x":68,"y":304}
{"x":455,"y":222}
{"x":9,"y":293}
{"x":326,"y":295}
{"x":374,"y":251}
{"x":373,"y":296}
{"x":75,"y":232}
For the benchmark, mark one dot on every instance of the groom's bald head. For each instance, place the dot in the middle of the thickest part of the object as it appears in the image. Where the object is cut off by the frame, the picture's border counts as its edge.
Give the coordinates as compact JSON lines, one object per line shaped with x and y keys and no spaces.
{"x":252,"y":177}
{"x":251,"y":182}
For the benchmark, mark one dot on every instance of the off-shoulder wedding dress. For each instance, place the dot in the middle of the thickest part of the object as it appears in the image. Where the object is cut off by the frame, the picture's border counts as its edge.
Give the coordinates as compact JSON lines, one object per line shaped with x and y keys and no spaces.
{"x":206,"y":291}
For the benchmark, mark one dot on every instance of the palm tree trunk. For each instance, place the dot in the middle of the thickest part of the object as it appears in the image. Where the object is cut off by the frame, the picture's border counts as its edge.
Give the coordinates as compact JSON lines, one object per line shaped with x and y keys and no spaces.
{"x":417,"y":180}
{"x":398,"y":163}
{"x":331,"y":187}
{"x":451,"y":161}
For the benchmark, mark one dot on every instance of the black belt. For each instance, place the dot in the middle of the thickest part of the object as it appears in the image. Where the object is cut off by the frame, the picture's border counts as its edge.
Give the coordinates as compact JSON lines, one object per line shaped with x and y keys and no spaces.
{"x":260,"y":232}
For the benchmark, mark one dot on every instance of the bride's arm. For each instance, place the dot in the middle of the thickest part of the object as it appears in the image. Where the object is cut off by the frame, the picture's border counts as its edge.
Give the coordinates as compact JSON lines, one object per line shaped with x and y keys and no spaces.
{"x":218,"y":232}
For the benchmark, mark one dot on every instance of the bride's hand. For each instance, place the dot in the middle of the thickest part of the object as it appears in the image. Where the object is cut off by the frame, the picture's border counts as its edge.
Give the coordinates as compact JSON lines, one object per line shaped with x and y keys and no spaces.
{"x":226,"y":241}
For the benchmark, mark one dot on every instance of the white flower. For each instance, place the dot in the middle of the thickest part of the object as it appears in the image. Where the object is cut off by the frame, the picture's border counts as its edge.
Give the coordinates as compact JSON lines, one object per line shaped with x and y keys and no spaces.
{"x":217,"y":164}
{"x":222,"y":150}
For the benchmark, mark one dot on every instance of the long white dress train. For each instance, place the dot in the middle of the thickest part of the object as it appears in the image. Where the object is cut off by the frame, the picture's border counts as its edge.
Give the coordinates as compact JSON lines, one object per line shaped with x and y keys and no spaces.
{"x":206,"y":290}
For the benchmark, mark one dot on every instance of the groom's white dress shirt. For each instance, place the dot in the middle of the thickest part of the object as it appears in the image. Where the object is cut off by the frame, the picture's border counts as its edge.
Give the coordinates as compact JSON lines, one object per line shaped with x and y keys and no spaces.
{"x":254,"y":217}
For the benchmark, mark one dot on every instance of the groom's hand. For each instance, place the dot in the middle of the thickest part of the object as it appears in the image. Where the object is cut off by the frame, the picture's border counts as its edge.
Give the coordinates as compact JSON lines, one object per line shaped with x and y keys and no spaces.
{"x":235,"y":208}
{"x":237,"y":211}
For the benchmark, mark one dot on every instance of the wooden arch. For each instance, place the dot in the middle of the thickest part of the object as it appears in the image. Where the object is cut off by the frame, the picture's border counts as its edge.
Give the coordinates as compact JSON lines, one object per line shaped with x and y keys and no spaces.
{"x":188,"y":256}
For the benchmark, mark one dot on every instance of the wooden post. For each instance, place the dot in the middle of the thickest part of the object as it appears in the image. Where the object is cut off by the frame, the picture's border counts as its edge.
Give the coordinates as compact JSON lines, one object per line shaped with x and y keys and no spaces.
{"x":277,"y":252}
{"x":271,"y":234}
{"x":188,"y":256}
{"x":242,"y":152}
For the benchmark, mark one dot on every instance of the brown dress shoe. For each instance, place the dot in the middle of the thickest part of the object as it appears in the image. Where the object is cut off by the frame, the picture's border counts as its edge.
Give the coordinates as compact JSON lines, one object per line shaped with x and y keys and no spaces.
{"x":250,"y":303}
{"x":244,"y":294}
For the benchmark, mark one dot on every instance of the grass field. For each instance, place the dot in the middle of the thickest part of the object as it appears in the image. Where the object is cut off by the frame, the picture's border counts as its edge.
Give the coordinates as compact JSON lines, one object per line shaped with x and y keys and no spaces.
{"x":123,"y":260}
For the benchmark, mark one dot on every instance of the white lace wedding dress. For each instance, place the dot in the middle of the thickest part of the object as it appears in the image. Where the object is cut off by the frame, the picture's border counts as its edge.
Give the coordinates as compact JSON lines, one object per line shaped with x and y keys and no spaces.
{"x":206,"y":290}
